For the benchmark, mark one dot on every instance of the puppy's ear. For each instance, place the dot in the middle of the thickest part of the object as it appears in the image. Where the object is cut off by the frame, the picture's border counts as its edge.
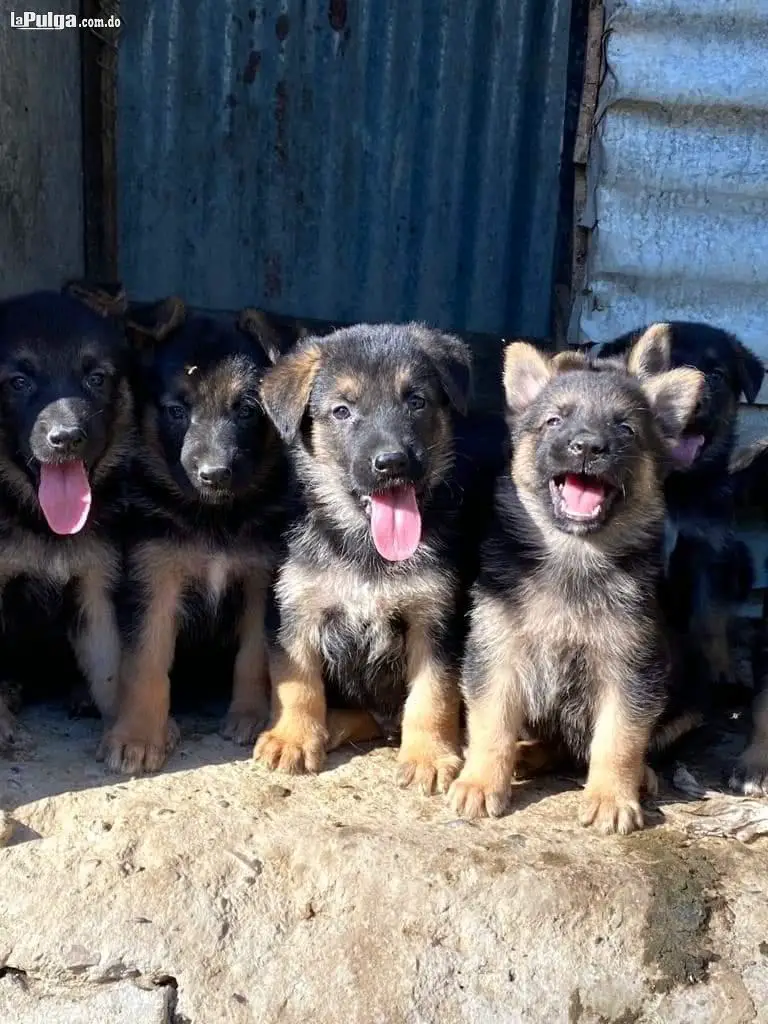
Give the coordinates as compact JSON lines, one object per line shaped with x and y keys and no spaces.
{"x":526,"y":373}
{"x":570,"y":359}
{"x":750,"y":370}
{"x":286,"y":387}
{"x":673,"y":396}
{"x":256,"y":324}
{"x":106,"y":299}
{"x":651,"y":353}
{"x":453,"y":362}
{"x":152,"y":322}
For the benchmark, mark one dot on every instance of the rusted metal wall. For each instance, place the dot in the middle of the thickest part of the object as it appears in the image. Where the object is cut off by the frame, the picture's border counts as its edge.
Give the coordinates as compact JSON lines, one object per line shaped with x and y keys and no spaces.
{"x":41,"y":209}
{"x":344,"y":159}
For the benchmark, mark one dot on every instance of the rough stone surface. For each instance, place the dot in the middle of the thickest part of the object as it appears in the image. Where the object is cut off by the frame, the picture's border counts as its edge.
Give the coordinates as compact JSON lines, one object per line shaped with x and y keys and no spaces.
{"x":248,"y":897}
{"x":122,"y":1003}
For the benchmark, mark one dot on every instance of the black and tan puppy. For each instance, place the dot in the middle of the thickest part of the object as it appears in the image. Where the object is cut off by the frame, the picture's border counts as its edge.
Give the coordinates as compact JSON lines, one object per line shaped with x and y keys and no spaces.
{"x":368,"y":600}
{"x":66,"y":436}
{"x":707,"y":571}
{"x":208,"y":501}
{"x":565,"y":636}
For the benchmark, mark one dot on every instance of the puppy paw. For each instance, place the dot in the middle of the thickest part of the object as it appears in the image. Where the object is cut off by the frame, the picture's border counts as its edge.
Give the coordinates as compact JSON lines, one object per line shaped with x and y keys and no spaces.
{"x":650,"y":784}
{"x":611,"y":812}
{"x":471,"y":797}
{"x":133,"y":752}
{"x":427,"y":764}
{"x":750,"y":774}
{"x":295,"y":747}
{"x":242,"y":726}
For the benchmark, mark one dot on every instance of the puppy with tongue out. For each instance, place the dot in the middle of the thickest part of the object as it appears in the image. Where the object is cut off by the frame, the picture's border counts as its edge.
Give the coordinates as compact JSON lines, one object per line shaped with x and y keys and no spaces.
{"x":368,"y":596}
{"x":65,"y":495}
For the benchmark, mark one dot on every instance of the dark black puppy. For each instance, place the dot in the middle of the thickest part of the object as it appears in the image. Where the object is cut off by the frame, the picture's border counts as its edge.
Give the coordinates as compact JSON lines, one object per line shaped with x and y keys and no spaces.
{"x":707,"y":571}
{"x":566,"y":636}
{"x":66,"y":435}
{"x":208,"y":497}
{"x":369,"y":598}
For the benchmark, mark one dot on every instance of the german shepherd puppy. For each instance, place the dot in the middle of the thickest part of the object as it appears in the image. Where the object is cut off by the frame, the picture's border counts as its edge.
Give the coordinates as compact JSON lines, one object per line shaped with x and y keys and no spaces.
{"x":208,"y":501}
{"x":707,"y":571}
{"x":565,"y":635}
{"x":368,"y":601}
{"x":66,"y":437}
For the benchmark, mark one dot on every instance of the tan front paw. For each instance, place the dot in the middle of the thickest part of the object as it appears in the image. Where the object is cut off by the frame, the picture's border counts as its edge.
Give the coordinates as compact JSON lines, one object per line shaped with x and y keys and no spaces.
{"x":611,"y":812}
{"x":750,"y":774}
{"x":242,"y":726}
{"x":295,"y":746}
{"x":427,"y":764}
{"x":132,"y":751}
{"x":471,"y":797}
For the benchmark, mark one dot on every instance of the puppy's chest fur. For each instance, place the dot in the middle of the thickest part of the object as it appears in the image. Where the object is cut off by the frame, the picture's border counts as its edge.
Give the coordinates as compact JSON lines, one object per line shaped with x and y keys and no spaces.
{"x":55,"y":561}
{"x":359,"y":625}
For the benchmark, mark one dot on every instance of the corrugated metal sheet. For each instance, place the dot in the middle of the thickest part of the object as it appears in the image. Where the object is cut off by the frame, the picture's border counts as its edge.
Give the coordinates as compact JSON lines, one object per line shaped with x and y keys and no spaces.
{"x":344,"y":159}
{"x":678,"y":169}
{"x":41,"y":208}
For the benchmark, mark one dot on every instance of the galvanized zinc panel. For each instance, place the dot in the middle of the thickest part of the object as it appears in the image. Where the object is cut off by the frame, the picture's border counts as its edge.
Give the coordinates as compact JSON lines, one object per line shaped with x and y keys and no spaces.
{"x":41,"y":183}
{"x":678,"y":169}
{"x":344,"y":160}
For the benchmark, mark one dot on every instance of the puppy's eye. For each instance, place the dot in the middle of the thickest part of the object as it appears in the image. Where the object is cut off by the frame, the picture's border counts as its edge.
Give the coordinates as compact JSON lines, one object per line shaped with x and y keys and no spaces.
{"x":554,"y":421}
{"x":175,"y":411}
{"x":341,"y":412}
{"x":415,"y":402}
{"x":626,"y":429}
{"x":96,"y":379}
{"x":20,"y":383}
{"x":245,"y":411}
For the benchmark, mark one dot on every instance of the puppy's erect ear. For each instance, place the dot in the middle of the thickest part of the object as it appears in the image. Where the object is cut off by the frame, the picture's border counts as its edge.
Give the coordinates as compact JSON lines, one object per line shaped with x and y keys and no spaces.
{"x":750,"y":370}
{"x":154,"y":321}
{"x":106,"y":299}
{"x":673,"y":396}
{"x":256,"y":324}
{"x":287,"y":386}
{"x":651,"y":353}
{"x":570,"y":359}
{"x":453,"y":362}
{"x":526,"y":373}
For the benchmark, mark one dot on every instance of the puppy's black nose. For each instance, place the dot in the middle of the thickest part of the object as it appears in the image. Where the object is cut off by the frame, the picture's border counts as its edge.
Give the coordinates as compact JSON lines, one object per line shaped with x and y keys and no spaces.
{"x":587,"y":445}
{"x":215,"y":476}
{"x":66,"y":440}
{"x":390,"y":463}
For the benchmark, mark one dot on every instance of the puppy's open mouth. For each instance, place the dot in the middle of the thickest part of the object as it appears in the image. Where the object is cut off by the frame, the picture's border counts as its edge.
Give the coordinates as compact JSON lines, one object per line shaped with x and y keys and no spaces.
{"x":688,"y":449}
{"x":581,"y":498}
{"x":64,"y":494}
{"x":395,"y":521}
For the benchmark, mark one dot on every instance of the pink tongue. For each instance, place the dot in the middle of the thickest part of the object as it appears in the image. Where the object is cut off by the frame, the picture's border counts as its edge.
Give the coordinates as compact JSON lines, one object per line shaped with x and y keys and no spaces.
{"x":687,"y":449}
{"x":582,"y":496}
{"x":64,"y":496}
{"x":395,"y":523}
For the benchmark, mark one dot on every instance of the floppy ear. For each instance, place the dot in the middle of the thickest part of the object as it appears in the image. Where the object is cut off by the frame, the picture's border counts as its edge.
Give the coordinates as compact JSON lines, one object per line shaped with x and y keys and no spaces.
{"x":526,"y":373}
{"x":673,"y":396}
{"x":287,"y":386}
{"x":750,"y":370}
{"x":256,"y":324}
{"x":570,"y":359}
{"x":154,"y":321}
{"x":650,"y":354}
{"x":106,"y":299}
{"x":453,"y":362}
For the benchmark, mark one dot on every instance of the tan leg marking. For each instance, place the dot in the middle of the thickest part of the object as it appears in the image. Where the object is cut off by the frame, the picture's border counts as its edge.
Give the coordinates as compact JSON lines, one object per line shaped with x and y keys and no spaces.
{"x":750,"y":776}
{"x":670,"y":732}
{"x":96,"y":641}
{"x":297,"y":738}
{"x":144,"y":734}
{"x":429,"y":757}
{"x":617,"y":771}
{"x":351,"y":727}
{"x":249,"y":708}
{"x":494,"y":722}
